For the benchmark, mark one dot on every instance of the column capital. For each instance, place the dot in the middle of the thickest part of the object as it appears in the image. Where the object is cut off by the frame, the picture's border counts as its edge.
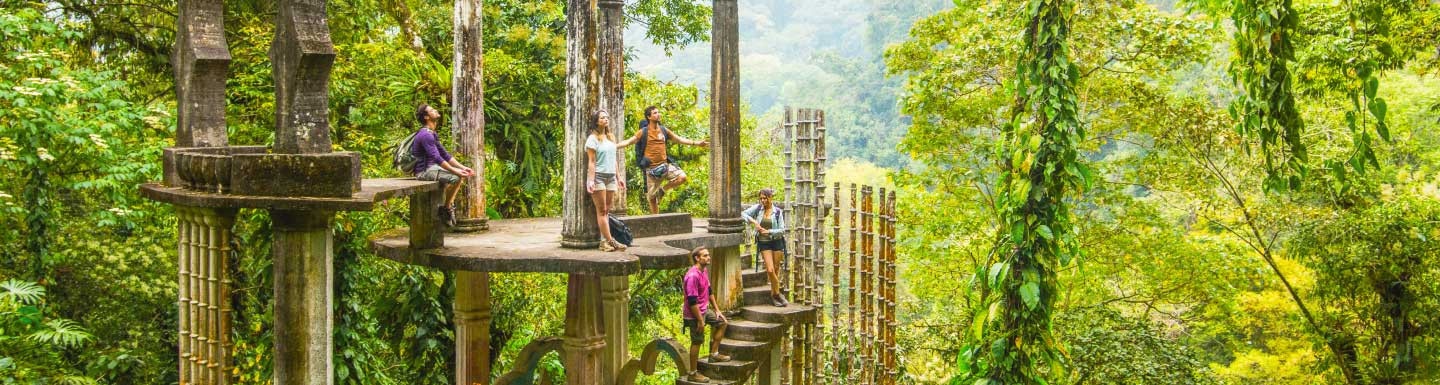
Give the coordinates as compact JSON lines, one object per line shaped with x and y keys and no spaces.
{"x":614,"y":3}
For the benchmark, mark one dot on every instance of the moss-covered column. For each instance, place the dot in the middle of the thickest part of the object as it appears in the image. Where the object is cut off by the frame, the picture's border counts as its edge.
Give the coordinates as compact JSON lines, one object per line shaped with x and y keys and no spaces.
{"x":304,"y":287}
{"x":472,"y":328}
{"x":468,"y":111}
{"x":611,"y":42}
{"x":615,"y":297}
{"x":725,"y":118}
{"x":584,"y":338}
{"x":578,"y":227}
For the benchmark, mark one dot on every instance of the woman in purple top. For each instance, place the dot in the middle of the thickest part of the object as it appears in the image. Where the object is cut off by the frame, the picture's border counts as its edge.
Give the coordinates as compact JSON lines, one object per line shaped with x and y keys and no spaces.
{"x":434,"y":163}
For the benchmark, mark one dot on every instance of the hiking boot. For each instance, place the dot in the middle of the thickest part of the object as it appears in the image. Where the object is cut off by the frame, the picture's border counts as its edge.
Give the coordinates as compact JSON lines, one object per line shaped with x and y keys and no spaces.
{"x":447,"y":216}
{"x":606,"y":246}
{"x":717,"y":357}
{"x":617,"y":245}
{"x":695,"y":376}
{"x":775,"y":300}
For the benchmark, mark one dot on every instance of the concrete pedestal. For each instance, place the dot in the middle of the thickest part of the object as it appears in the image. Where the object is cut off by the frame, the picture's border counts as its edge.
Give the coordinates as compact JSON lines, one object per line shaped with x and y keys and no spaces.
{"x":472,"y":328}
{"x":584,"y":339}
{"x":304,"y":286}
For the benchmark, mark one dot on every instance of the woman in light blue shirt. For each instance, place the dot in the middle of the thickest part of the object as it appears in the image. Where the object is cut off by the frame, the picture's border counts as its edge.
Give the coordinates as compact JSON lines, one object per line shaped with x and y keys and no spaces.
{"x":769,"y":224}
{"x":600,"y":148}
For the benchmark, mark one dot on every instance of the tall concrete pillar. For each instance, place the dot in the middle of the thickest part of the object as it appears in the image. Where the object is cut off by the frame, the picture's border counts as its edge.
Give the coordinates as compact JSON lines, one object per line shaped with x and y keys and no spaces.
{"x":302,"y":56}
{"x":468,"y":111}
{"x":578,"y":227}
{"x":304,"y":287}
{"x":584,"y":338}
{"x":615,"y":296}
{"x":611,"y":41}
{"x":472,"y":328}
{"x":725,"y":118}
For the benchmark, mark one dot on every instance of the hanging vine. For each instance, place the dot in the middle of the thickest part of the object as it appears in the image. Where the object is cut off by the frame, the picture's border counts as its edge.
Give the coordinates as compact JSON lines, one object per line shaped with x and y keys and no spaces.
{"x":1261,"y":68}
{"x":1011,"y":338}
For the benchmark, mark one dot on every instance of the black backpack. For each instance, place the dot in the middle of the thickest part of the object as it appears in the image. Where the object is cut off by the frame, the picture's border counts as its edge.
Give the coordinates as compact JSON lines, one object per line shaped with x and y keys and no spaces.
{"x":640,"y":158}
{"x":619,"y":230}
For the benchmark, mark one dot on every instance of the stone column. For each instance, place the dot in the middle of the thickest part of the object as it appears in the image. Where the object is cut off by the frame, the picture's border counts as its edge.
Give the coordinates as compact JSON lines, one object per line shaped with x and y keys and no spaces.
{"x":579,"y":229}
{"x":472,"y":328}
{"x":725,"y":118}
{"x":611,"y":41}
{"x":301,"y":56}
{"x":725,"y":277}
{"x":584,"y":330}
{"x":468,"y":111}
{"x":202,"y":61}
{"x":304,"y":286}
{"x":615,"y":296}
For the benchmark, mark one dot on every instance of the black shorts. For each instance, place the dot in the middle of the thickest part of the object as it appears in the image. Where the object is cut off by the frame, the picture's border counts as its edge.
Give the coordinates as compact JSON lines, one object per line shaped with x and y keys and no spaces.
{"x":777,"y":244}
{"x":697,"y":334}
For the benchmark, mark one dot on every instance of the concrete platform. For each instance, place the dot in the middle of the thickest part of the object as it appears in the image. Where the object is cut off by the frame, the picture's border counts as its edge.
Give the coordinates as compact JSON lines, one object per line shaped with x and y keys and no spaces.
{"x":532,"y":245}
{"x":371,"y":191}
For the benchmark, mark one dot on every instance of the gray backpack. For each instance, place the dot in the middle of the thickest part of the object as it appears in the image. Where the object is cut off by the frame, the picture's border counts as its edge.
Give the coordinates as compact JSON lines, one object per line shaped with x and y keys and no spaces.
{"x":404,"y":157}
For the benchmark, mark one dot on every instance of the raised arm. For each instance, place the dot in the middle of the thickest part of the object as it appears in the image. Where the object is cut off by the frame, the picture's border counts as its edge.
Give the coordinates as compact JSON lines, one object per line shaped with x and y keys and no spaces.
{"x":628,"y":141}
{"x":684,"y":140}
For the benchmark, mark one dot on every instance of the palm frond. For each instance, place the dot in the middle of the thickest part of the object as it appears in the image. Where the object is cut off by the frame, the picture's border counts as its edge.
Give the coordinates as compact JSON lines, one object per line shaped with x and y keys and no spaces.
{"x":76,"y":380}
{"x":62,"y":333}
{"x":28,"y":293}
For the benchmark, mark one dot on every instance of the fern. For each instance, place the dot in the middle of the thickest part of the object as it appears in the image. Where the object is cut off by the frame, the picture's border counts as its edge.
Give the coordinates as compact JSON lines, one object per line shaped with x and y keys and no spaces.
{"x":61,"y":333}
{"x":27,"y":293}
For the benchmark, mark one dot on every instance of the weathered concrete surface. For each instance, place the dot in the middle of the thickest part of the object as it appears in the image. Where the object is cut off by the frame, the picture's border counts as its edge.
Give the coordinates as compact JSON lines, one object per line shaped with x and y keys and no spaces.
{"x":584,"y":330}
{"x":581,"y":91}
{"x":615,"y":296}
{"x":467,"y":106}
{"x":472,"y":328}
{"x":304,"y":291}
{"x":651,"y":225}
{"x":725,"y":118}
{"x":302,"y":56}
{"x":202,"y":61}
{"x":290,"y":175}
{"x":371,"y":192}
{"x":611,"y":41}
{"x":530,"y":245}
{"x":170,"y":163}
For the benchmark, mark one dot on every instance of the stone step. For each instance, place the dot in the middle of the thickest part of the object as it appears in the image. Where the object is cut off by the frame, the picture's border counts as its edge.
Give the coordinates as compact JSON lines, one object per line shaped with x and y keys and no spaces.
{"x":756,"y":296}
{"x":754,"y":278}
{"x":729,"y":370}
{"x":789,"y":315}
{"x":713,"y":381}
{"x":747,"y":330}
{"x":744,"y":350}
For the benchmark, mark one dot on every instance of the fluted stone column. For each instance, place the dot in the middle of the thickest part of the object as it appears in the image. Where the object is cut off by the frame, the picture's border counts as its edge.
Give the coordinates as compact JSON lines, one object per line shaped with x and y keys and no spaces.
{"x":578,"y":227}
{"x":304,"y":286}
{"x":725,"y":118}
{"x":204,"y":298}
{"x":611,"y":42}
{"x":615,"y":297}
{"x":468,"y":111}
{"x":584,"y":338}
{"x":472,"y":328}
{"x":201,"y":63}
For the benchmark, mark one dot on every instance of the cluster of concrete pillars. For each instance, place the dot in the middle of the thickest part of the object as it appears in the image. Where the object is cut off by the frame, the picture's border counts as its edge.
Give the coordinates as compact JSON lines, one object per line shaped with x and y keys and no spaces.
{"x":204,"y":305}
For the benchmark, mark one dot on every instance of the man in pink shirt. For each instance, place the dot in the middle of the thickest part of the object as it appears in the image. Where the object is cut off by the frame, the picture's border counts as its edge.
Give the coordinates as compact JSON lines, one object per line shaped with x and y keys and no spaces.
{"x":697,"y":306}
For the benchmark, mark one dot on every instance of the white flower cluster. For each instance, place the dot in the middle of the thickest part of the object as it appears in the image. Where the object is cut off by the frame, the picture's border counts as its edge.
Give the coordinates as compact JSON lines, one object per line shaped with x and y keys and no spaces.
{"x":44,"y":154}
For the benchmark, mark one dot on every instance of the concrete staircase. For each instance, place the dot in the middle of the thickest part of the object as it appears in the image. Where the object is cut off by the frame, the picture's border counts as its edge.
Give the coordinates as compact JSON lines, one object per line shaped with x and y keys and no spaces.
{"x":757,"y":329}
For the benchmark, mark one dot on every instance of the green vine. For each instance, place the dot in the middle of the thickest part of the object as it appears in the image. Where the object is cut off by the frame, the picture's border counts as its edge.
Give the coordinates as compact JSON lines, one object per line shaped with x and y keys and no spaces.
{"x":1012,"y":338}
{"x":1261,"y":68}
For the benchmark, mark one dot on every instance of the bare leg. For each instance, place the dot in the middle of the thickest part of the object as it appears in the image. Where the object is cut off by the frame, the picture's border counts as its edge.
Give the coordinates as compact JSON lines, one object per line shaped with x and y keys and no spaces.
{"x":602,"y":209}
{"x":451,"y":190}
{"x":695,"y":355}
{"x":769,"y":257}
{"x":716,"y":336}
{"x":676,"y":183}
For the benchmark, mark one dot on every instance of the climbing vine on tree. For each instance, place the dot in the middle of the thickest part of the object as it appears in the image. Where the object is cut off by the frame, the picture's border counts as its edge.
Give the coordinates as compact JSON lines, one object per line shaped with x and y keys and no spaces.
{"x":1011,"y":335}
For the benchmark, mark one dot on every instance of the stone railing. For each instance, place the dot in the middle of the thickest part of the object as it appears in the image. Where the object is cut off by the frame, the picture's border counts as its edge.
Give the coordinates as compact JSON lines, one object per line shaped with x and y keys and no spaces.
{"x":251,"y":170}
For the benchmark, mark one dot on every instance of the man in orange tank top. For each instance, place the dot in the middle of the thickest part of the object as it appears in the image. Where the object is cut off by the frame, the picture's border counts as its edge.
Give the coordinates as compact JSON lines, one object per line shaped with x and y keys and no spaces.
{"x":660,"y":174}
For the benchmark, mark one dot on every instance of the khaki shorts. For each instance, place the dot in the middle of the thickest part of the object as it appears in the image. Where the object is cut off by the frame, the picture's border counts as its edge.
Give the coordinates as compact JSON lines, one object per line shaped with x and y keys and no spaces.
{"x":436,"y":173}
{"x":607,"y":182}
{"x":697,"y":334}
{"x":655,"y":183}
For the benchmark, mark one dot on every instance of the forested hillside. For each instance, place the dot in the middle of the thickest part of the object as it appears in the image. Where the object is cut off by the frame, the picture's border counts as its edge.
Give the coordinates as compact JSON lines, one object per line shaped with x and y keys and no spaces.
{"x":1090,"y":192}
